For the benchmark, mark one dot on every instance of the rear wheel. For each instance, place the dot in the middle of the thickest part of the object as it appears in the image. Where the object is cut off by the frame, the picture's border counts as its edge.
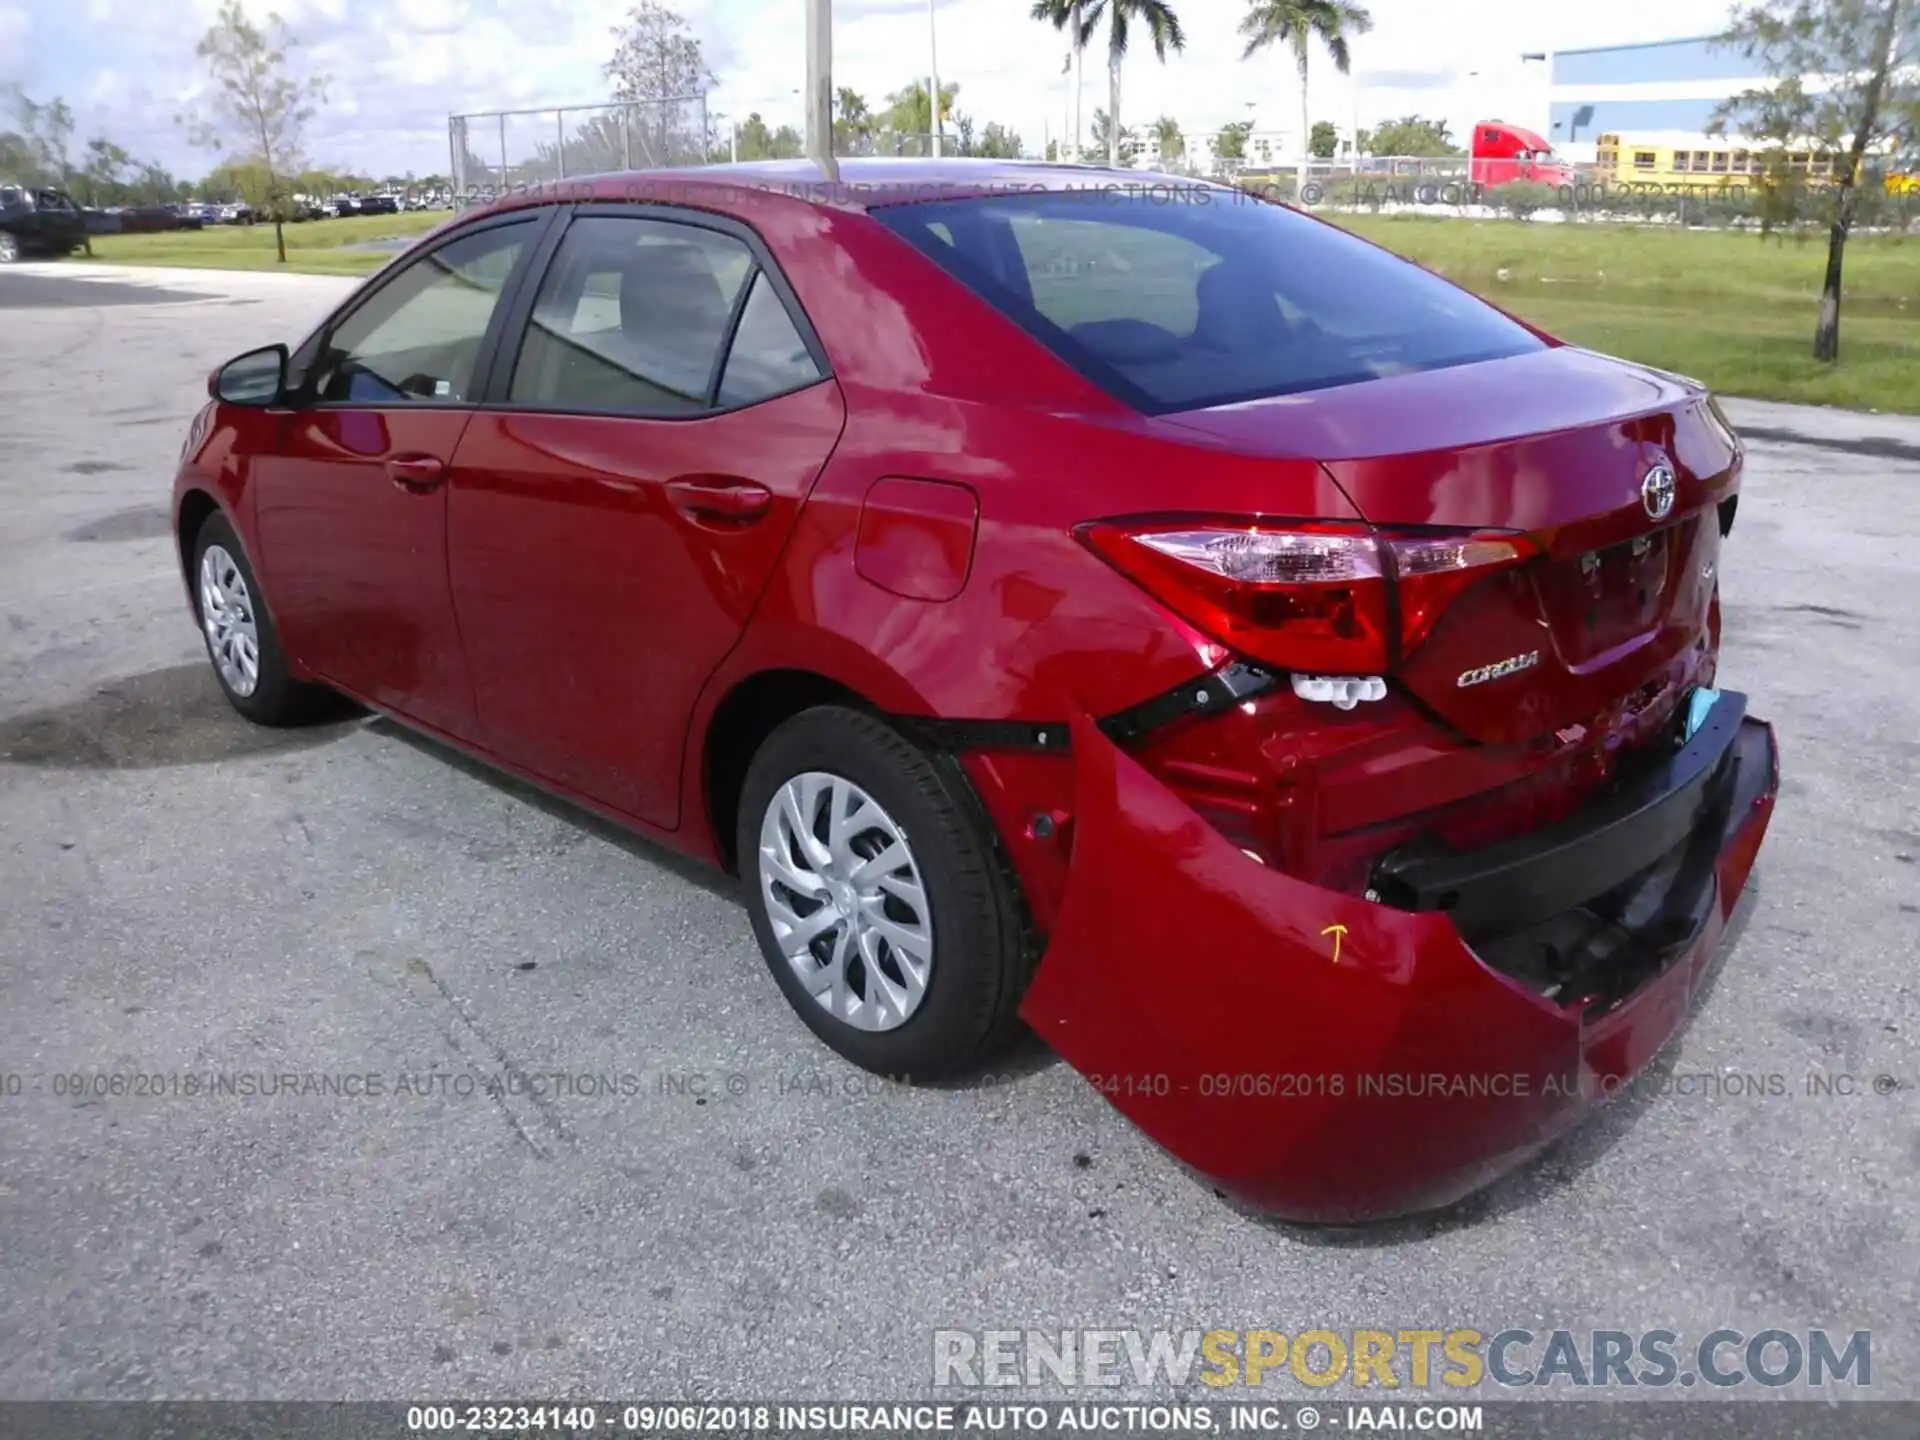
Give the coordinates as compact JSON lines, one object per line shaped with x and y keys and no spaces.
{"x":9,"y":247}
{"x":879,"y":897}
{"x":241,"y":640}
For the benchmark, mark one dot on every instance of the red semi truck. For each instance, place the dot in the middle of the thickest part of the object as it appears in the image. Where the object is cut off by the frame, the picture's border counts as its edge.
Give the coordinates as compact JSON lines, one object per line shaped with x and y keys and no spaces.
{"x":1502,"y":153}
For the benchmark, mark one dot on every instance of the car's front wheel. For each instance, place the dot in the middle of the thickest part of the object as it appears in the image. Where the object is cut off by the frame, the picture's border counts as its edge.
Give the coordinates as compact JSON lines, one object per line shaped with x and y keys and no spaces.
{"x":879,"y":897}
{"x":241,"y":640}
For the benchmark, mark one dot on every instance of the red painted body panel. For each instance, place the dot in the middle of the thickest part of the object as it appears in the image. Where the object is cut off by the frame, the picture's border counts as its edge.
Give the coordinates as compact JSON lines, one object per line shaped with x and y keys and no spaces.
{"x":563,"y":606}
{"x":1201,"y":993}
{"x":594,"y":608}
{"x":916,"y":537}
{"x":356,"y":564}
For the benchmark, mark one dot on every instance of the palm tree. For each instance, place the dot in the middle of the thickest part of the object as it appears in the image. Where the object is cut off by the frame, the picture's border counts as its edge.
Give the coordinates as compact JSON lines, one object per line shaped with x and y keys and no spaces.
{"x":1298,"y":23}
{"x":1121,"y":15}
{"x":1173,"y":145}
{"x":1065,"y":15}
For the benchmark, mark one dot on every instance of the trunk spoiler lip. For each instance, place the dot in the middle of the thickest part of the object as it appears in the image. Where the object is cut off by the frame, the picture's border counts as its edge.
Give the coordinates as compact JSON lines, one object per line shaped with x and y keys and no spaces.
{"x":1212,"y":424}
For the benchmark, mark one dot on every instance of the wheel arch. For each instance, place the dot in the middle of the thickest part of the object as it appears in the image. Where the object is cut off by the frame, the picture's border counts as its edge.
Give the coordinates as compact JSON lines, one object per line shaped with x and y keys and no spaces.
{"x":756,"y":706}
{"x":196,"y":507}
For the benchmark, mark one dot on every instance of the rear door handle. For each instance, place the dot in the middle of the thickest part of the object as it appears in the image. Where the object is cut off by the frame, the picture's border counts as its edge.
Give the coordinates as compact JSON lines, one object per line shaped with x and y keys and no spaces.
{"x":736,"y":502}
{"x":419,"y":473}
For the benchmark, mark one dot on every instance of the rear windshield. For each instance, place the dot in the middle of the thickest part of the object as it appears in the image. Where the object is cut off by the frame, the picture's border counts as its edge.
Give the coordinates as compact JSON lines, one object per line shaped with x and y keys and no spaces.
{"x":1177,"y":300}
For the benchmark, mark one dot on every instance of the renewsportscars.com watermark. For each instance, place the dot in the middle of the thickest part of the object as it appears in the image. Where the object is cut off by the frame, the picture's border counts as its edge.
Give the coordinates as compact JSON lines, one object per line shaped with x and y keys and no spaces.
{"x":1419,"y":1359}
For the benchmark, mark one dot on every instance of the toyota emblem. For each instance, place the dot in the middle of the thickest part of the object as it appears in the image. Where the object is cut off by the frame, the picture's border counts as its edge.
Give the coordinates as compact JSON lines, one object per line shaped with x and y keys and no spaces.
{"x":1657,"y":491}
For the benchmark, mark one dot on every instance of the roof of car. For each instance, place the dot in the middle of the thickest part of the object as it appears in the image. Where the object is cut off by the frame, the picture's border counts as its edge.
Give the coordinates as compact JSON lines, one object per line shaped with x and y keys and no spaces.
{"x":867,"y":182}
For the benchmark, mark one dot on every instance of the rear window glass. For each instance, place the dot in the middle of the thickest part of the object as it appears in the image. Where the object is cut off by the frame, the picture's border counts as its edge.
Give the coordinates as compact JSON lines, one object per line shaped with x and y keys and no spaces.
{"x":1177,"y":300}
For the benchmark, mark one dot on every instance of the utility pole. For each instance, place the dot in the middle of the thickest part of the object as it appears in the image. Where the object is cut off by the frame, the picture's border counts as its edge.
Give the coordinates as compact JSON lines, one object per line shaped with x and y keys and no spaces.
{"x":933,"y":75}
{"x":819,"y":108}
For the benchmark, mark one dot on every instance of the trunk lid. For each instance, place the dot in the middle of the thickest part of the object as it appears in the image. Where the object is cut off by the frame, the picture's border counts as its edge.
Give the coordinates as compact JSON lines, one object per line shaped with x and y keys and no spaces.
{"x":1567,"y":447}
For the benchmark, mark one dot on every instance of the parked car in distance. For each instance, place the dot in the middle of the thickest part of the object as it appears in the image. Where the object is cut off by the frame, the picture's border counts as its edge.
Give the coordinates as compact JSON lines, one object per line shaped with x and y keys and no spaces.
{"x":380,"y":205}
{"x":1280,"y":678}
{"x":38,"y":220}
{"x":152,"y":219}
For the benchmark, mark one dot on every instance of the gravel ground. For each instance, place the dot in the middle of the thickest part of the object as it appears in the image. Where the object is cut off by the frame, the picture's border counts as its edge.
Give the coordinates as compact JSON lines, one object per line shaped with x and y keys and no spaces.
{"x":180,"y":893}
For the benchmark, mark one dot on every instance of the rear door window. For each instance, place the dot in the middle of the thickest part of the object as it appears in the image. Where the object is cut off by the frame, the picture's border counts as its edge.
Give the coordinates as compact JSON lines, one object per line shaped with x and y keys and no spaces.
{"x":631,"y":317}
{"x":767,"y":357}
{"x":1180,"y":299}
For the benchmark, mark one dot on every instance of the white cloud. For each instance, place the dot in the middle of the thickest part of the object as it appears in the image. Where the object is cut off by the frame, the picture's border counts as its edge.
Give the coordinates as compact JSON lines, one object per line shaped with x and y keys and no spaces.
{"x":400,"y":66}
{"x":14,"y":25}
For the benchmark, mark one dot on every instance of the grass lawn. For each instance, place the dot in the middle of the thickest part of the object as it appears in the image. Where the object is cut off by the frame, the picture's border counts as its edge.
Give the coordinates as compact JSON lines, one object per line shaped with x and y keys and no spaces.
{"x":1728,"y":308}
{"x":314,"y":247}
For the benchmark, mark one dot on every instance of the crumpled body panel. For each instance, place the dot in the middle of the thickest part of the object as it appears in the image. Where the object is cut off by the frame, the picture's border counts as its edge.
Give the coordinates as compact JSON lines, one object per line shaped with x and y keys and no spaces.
{"x":1317,"y":1055}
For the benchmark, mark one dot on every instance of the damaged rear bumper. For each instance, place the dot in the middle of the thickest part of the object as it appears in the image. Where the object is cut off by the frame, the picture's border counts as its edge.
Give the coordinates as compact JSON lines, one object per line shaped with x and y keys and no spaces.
{"x":1333,"y":1059}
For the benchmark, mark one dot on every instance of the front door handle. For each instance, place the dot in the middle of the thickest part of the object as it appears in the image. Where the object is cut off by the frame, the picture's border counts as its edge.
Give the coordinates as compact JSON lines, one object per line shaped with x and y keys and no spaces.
{"x":734,"y":502}
{"x":418,"y":473}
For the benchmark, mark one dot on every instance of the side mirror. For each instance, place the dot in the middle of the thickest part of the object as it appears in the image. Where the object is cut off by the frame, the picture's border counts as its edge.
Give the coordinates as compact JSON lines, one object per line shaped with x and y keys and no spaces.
{"x":256,"y":379}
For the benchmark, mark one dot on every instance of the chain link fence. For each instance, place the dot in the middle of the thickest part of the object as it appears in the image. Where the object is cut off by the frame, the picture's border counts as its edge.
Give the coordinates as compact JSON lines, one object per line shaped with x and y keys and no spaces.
{"x":498,"y":151}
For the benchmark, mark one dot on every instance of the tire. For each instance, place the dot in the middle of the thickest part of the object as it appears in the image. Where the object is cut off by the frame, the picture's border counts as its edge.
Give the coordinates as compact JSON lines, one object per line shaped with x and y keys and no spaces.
{"x":9,"y":247}
{"x":969,"y":920}
{"x":274,"y":696}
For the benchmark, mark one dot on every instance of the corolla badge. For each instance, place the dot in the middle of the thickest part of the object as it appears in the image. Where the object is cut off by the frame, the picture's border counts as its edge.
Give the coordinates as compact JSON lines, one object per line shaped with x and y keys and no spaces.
{"x":1499,"y":669}
{"x":1657,"y":491}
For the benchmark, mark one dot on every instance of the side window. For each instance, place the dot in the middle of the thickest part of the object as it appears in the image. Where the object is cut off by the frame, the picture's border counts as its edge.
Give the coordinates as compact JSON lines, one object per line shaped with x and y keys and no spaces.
{"x":417,"y":339}
{"x":768,"y":357}
{"x":631,"y":317}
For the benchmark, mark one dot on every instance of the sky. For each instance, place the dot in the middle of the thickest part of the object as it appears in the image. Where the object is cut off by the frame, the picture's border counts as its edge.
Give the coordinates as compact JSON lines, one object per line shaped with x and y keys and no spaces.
{"x":397,"y":68}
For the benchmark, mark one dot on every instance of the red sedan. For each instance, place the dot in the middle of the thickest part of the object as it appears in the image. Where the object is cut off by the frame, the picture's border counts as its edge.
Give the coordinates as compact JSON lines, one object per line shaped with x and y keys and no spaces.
{"x":1281,"y":679}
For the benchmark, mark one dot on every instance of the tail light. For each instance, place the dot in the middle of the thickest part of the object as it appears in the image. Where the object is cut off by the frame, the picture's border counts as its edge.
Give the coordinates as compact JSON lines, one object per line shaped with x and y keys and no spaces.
{"x":1322,"y":598}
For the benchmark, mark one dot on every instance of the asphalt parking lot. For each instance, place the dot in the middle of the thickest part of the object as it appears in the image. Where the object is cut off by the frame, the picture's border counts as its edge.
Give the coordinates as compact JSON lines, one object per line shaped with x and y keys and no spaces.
{"x":743,"y":1217}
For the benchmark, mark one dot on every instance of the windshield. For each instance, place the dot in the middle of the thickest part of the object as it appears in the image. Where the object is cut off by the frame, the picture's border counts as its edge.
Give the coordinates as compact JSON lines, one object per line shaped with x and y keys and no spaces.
{"x":1180,"y":299}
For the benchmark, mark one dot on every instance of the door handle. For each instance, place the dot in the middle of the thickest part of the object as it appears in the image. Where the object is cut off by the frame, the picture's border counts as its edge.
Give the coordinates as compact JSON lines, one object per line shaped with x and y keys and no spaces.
{"x":736,"y":502}
{"x":418,"y":473}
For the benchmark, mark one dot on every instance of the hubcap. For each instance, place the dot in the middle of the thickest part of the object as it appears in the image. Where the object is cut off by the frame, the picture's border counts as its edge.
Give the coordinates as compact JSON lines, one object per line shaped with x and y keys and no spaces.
{"x":844,"y":894}
{"x":226,"y":614}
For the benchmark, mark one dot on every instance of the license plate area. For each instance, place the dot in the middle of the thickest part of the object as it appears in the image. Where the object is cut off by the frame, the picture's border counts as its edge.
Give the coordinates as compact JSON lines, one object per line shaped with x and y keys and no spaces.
{"x":1601,"y":599}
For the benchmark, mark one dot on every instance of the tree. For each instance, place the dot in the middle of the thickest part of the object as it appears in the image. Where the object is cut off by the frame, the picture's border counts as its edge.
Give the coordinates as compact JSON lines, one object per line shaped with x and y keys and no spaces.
{"x":757,"y":142}
{"x":658,"y":69}
{"x":853,"y":122}
{"x":1163,"y":28}
{"x":258,"y":109}
{"x":1409,"y":135}
{"x":100,"y":182}
{"x":1231,"y":142}
{"x":909,"y":116}
{"x":1065,"y":15}
{"x":1173,"y":144}
{"x":999,"y":143}
{"x":1324,"y":140}
{"x":1296,"y":24}
{"x":1119,"y":146}
{"x":42,"y":150}
{"x":1866,"y":50}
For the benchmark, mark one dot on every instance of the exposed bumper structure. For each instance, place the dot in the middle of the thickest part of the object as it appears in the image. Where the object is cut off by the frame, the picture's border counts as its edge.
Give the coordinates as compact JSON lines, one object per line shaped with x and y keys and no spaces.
{"x":1332,"y":1059}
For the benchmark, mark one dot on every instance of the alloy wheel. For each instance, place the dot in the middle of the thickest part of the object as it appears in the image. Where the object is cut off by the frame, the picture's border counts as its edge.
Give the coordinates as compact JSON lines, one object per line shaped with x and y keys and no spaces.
{"x":846,"y":900}
{"x":227,"y":615}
